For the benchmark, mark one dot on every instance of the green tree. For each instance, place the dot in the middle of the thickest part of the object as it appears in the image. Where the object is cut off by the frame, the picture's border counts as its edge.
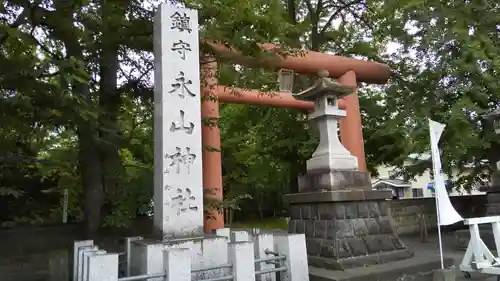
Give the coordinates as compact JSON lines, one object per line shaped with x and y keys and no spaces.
{"x":445,"y":70}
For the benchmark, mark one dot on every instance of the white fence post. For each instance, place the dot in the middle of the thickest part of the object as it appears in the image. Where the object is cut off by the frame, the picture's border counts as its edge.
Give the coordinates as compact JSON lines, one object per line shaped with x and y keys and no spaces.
{"x":263,"y":242}
{"x":177,"y":264}
{"x":103,"y":267}
{"x":293,"y":246}
{"x":81,"y":261}
{"x":224,"y":232}
{"x":241,"y":256}
{"x":85,"y":259}
{"x":76,"y":261}
{"x":240,"y":236}
{"x":128,"y":242}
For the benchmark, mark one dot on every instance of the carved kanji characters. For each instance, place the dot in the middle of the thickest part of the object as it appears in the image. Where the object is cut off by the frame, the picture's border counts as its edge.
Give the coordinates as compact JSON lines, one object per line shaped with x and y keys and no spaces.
{"x":181,"y":22}
{"x":181,"y":86}
{"x":182,"y":125}
{"x":188,"y":159}
{"x":182,"y":48}
{"x":182,"y":201}
{"x":177,"y":159}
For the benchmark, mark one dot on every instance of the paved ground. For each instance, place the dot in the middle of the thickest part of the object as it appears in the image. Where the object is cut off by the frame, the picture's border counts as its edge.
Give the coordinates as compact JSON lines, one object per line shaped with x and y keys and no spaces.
{"x":426,"y":258}
{"x":431,"y":248}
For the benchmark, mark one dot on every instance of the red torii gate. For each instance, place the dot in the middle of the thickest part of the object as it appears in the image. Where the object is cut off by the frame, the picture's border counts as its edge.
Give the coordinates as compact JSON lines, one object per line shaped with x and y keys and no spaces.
{"x":347,"y":71}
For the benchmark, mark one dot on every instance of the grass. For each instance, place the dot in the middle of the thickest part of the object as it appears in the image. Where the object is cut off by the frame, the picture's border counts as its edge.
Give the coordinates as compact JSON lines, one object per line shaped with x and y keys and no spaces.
{"x":269,"y":223}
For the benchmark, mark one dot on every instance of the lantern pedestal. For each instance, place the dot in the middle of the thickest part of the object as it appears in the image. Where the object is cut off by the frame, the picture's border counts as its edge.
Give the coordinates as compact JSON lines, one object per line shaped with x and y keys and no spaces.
{"x":346,"y":223}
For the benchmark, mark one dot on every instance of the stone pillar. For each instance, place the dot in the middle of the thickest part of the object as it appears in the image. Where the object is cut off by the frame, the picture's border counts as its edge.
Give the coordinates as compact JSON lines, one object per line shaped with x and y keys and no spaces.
{"x":345,"y":222}
{"x":178,"y":175}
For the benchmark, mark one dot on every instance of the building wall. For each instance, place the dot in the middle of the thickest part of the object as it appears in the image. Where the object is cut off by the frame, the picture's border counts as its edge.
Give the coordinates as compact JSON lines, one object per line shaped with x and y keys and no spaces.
{"x":421,"y":181}
{"x":407,"y":213}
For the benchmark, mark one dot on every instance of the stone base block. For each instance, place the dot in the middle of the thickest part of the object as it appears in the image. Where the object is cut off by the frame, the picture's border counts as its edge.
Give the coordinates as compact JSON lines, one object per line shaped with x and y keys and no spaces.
{"x":336,"y":196}
{"x":332,"y":162}
{"x":344,"y":234}
{"x":418,"y":268}
{"x":359,"y":261}
{"x":334,"y":180}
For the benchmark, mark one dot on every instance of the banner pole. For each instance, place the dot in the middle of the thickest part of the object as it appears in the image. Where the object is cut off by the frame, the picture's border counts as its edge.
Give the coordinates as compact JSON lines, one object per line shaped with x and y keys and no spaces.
{"x":439,"y":227}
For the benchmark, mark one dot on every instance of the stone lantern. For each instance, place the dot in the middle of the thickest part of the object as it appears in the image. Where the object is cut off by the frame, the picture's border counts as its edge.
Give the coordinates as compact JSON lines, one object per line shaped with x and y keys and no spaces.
{"x":330,"y":154}
{"x":345,"y":221}
{"x":285,"y":80}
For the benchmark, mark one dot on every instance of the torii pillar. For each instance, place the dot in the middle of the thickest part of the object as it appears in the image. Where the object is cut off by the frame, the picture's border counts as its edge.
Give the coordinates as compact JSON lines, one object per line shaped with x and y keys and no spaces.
{"x":347,"y":72}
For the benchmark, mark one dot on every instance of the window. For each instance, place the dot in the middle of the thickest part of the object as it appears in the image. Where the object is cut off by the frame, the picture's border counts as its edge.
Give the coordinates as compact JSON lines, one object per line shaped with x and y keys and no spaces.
{"x":417,"y":192}
{"x":393,"y":174}
{"x":401,"y":192}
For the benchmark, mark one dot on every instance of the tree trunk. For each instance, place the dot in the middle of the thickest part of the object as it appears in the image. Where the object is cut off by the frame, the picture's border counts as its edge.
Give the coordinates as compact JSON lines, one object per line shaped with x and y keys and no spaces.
{"x":261,"y":206}
{"x":88,"y":156}
{"x":109,"y":97}
{"x":91,"y":173}
{"x":90,"y":168}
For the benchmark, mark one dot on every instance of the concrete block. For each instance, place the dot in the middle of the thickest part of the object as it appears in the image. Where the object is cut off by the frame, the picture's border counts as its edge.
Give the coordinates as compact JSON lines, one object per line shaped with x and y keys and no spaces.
{"x":223,"y":232}
{"x":240,"y":236}
{"x":128,"y":242}
{"x":81,"y":261}
{"x":293,"y":246}
{"x":447,"y":274}
{"x":241,"y":255}
{"x":76,"y":247}
{"x":263,"y":242}
{"x":86,"y":255}
{"x":177,"y":264}
{"x":146,"y":258}
{"x":103,"y":267}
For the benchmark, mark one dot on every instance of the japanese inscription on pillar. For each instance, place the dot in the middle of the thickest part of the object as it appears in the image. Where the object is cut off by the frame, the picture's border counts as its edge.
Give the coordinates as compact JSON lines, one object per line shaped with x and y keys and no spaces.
{"x":178,"y":191}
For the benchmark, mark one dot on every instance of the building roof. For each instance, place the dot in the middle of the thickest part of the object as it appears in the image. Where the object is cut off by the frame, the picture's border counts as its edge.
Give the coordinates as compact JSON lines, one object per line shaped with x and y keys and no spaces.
{"x":392,"y":182}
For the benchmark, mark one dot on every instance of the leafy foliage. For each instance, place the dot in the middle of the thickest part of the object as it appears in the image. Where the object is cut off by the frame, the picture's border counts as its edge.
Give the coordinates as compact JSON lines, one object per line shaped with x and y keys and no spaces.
{"x":76,"y":97}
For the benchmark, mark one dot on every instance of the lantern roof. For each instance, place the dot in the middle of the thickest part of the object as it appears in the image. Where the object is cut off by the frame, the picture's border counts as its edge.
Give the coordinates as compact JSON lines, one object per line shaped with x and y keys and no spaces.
{"x":324,"y":86}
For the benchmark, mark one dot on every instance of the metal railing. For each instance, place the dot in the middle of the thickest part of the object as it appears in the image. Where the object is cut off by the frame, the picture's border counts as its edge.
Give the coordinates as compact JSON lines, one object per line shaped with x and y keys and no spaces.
{"x":228,"y":265}
{"x":270,"y":270}
{"x":143,"y":277}
{"x":201,"y":269}
{"x":276,"y":259}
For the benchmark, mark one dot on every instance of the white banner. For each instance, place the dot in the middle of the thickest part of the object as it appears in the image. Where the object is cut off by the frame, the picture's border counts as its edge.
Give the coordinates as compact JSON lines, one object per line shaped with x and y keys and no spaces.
{"x":446,"y":212}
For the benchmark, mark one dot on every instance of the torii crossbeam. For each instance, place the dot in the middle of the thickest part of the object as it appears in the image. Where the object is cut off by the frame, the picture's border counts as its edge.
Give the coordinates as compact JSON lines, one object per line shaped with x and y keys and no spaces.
{"x":347,"y":71}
